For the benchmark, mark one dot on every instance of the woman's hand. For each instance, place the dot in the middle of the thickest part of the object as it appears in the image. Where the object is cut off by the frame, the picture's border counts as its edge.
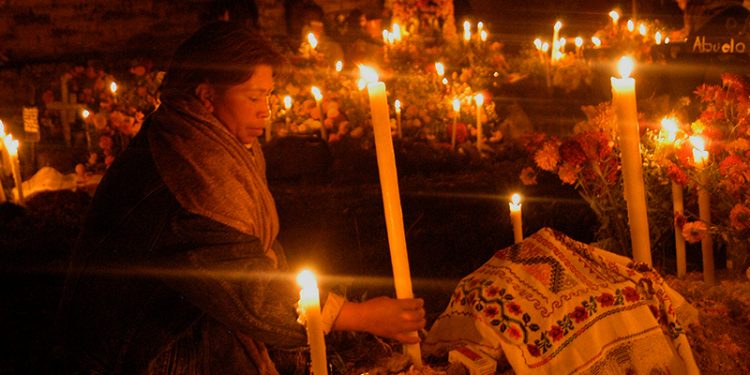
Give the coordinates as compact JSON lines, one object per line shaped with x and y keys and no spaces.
{"x":384,"y":316}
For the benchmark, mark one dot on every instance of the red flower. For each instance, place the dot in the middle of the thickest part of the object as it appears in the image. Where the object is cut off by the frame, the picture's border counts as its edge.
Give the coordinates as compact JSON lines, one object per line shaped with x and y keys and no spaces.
{"x":606,"y":299}
{"x":677,"y":174}
{"x":514,"y":308}
{"x":514,"y":332}
{"x":579,"y":314}
{"x":679,"y":220}
{"x":533,"y":350}
{"x":492,"y":291}
{"x":571,"y":152}
{"x":556,"y":333}
{"x":739,"y":217}
{"x":694,"y":231}
{"x":528,"y":176}
{"x":491,"y":311}
{"x":631,"y":295}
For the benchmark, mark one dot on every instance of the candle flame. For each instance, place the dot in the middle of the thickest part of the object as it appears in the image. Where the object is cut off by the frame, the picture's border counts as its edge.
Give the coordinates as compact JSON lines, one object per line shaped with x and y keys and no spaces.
{"x":2,"y":129}
{"x":467,"y":31}
{"x":339,"y":65}
{"x":397,"y":106}
{"x":515,"y":199}
{"x":113,"y":87}
{"x":545,"y":47}
{"x":361,"y":84}
{"x":538,"y":43}
{"x":700,"y":155}
{"x":85,"y":114}
{"x":316,"y":93}
{"x":11,"y":145}
{"x":287,"y":102}
{"x":596,"y":41}
{"x":456,"y":105}
{"x":440,"y":69}
{"x":479,"y":99}
{"x":480,"y":26}
{"x":562,"y":42}
{"x":370,"y":75}
{"x":483,"y":35}
{"x":558,"y":26}
{"x":670,"y":126}
{"x":642,"y":29}
{"x":306,"y":279}
{"x":444,"y":81}
{"x":614,"y":15}
{"x":625,"y":66}
{"x":579,"y":41}
{"x":631,"y":25}
{"x":396,"y":32}
{"x":698,"y":142}
{"x":666,"y":40}
{"x":312,"y":40}
{"x":385,"y":36}
{"x":657,"y":37}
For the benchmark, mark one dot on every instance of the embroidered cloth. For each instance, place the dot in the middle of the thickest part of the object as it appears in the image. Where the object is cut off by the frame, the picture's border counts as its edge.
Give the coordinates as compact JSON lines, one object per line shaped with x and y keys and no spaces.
{"x":552,"y":305}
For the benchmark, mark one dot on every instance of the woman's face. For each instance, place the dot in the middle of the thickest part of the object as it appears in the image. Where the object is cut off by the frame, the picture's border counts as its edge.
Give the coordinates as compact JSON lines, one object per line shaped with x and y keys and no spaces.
{"x":243,"y":108}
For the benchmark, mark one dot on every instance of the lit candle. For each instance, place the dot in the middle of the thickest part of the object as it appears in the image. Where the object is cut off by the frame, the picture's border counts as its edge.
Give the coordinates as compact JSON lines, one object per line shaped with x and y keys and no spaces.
{"x":339,"y":66}
{"x":440,"y":69}
{"x":391,"y":199}
{"x":615,"y":17}
{"x":624,"y":103}
{"x":287,"y":108}
{"x":12,"y":146}
{"x":666,"y":40}
{"x":309,"y":308}
{"x":670,"y":128}
{"x":657,"y":38}
{"x":396,"y":32}
{"x":579,"y":45}
{"x":700,"y":157}
{"x":312,"y":40}
{"x":467,"y":31}
{"x":480,"y":26}
{"x":397,"y":107}
{"x":596,"y":41}
{"x":642,"y":29}
{"x":456,"y":113}
{"x":483,"y":35}
{"x":556,"y":41}
{"x":113,"y":87}
{"x":479,"y":100}
{"x":319,"y":101}
{"x":515,"y":217}
{"x":631,"y":26}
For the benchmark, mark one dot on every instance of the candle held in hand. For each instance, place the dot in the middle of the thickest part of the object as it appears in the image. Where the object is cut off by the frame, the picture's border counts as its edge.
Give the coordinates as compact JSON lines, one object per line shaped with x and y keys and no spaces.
{"x":309,"y":307}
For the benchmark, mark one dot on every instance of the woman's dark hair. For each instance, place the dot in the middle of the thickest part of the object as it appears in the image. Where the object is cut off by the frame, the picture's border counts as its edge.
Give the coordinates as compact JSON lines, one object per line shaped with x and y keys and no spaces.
{"x":222,"y":54}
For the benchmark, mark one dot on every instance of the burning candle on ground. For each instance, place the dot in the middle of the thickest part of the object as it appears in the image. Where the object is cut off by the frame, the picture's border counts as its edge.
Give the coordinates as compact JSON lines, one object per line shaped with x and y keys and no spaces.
{"x":397,"y":107}
{"x":700,"y":157}
{"x":12,"y":146}
{"x":626,"y":116}
{"x":391,"y":198}
{"x":515,"y":217}
{"x":309,"y":309}
{"x":479,"y":100}
{"x":319,"y":102}
{"x":670,"y":129}
{"x":456,"y":113}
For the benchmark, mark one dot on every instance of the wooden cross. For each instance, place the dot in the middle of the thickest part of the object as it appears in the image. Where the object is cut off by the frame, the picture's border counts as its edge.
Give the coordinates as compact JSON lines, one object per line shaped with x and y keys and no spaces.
{"x":68,"y":107}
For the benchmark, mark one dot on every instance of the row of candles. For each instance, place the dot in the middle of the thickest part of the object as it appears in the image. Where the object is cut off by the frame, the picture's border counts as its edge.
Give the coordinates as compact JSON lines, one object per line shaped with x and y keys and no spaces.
{"x":9,"y":154}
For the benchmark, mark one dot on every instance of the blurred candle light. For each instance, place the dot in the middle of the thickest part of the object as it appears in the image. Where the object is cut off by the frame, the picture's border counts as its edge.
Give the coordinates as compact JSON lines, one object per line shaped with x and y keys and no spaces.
{"x":479,"y":101}
{"x":545,"y":47}
{"x":626,"y":112}
{"x":312,"y":40}
{"x":480,"y":26}
{"x":579,"y":45}
{"x":596,"y":41}
{"x":391,"y":198}
{"x":563,"y":42}
{"x":642,"y":29}
{"x":666,"y":40}
{"x":556,"y":41}
{"x":538,"y":44}
{"x":700,"y":156}
{"x":657,"y":37}
{"x":483,"y":35}
{"x":440,"y":69}
{"x":456,"y":113}
{"x":339,"y":66}
{"x":467,"y":31}
{"x":318,"y":95}
{"x":11,"y":145}
{"x":309,"y":308}
{"x":287,"y":107}
{"x":397,"y":107}
{"x":615,"y":17}
{"x":396,"y":32}
{"x":669,"y":128}
{"x":444,"y":81}
{"x":631,"y":26}
{"x":515,"y":217}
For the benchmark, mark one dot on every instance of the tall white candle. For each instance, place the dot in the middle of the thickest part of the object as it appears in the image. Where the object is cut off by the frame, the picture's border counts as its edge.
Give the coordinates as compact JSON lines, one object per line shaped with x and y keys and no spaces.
{"x":624,"y":103}
{"x":319,"y":102}
{"x":700,"y":157}
{"x":479,"y":100}
{"x":287,"y":107}
{"x":515,"y":217}
{"x":12,"y":146}
{"x":391,"y":198}
{"x":678,"y":208}
{"x":309,"y":307}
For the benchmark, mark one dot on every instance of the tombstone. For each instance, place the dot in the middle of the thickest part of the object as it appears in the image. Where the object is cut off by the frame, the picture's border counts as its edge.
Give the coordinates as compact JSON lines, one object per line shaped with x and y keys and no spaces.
{"x":68,"y":107}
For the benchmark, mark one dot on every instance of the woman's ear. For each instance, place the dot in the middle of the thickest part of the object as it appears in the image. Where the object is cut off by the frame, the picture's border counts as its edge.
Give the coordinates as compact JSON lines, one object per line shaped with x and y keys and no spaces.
{"x":205,"y":94}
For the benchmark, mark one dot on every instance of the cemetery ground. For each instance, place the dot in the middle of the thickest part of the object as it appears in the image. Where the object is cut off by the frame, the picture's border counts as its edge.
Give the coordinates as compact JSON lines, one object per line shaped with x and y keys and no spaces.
{"x":455,"y":216}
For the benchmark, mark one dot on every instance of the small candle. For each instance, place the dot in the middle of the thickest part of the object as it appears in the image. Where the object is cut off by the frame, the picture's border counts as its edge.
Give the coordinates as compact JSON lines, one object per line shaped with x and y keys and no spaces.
{"x":624,"y":104}
{"x":480,"y":26}
{"x":440,"y":69}
{"x":596,"y":41}
{"x":579,"y":45}
{"x":467,"y":31}
{"x":479,"y":100}
{"x":12,"y":146}
{"x":642,"y":29}
{"x":339,"y":66}
{"x":319,"y":102}
{"x":631,"y":26}
{"x":515,"y":217}
{"x":113,"y":87}
{"x":312,"y":40}
{"x":309,"y":307}
{"x":391,"y":198}
{"x":700,"y":157}
{"x":657,"y":38}
{"x":397,"y":107}
{"x":615,"y":17}
{"x":483,"y":35}
{"x":556,"y":41}
{"x":456,"y":112}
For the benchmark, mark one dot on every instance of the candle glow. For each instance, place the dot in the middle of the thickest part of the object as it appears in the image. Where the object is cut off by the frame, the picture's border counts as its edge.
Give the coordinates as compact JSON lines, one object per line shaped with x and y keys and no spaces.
{"x":538,"y":44}
{"x":309,"y":306}
{"x":287,"y":102}
{"x":85,"y":114}
{"x":483,"y":35}
{"x":657,"y":37}
{"x":545,"y":47}
{"x":631,"y":25}
{"x":596,"y":41}
{"x":625,"y":66}
{"x":339,"y":66}
{"x":113,"y":87}
{"x":579,"y":42}
{"x":642,"y":29}
{"x":316,"y":93}
{"x":467,"y":31}
{"x":515,"y":217}
{"x":440,"y":69}
{"x":312,"y":40}
{"x":700,"y":155}
{"x":670,"y":127}
{"x":615,"y":16}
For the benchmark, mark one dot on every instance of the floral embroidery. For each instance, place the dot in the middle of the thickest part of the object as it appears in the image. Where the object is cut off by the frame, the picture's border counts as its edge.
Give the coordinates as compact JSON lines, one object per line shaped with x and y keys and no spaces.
{"x":556,"y":332}
{"x":631,"y":295}
{"x":606,"y":299}
{"x":579,"y":314}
